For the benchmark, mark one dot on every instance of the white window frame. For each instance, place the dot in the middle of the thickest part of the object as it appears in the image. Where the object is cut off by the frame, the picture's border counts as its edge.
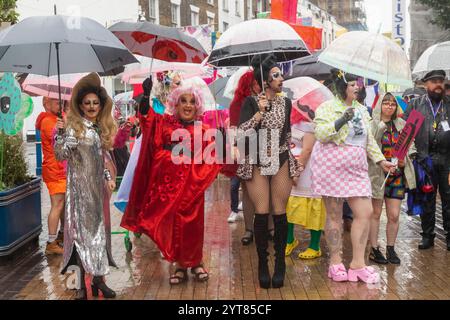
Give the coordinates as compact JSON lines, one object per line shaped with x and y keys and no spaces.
{"x":212,"y":16}
{"x":154,"y":19}
{"x":176,"y":3}
{"x":211,"y":2}
{"x":195,"y":15}
{"x":237,"y":8}
{"x":259,"y":5}
{"x":225,"y":5}
{"x":195,"y":20}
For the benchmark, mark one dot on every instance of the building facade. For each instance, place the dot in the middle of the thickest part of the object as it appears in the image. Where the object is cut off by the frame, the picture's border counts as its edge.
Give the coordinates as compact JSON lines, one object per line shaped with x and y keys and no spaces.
{"x":311,"y":15}
{"x":234,"y":11}
{"x":423,"y":33}
{"x":180,"y":13}
{"x":350,"y":14}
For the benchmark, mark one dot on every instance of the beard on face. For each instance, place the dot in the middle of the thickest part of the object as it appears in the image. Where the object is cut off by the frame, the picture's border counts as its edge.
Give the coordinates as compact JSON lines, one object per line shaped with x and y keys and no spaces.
{"x":435,"y":95}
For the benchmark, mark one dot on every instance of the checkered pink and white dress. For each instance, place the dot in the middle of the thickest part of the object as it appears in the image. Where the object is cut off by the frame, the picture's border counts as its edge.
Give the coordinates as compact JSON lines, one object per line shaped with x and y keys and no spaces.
{"x":340,"y":171}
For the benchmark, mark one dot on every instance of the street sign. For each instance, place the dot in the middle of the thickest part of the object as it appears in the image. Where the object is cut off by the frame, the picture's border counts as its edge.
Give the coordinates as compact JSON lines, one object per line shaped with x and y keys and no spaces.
{"x":399,"y":21}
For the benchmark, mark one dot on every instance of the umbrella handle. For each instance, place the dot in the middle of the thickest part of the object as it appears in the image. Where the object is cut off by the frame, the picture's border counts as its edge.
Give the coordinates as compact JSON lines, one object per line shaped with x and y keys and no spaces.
{"x":384,"y":182}
{"x":60,"y":131}
{"x":262,"y":79}
{"x":151,"y":63}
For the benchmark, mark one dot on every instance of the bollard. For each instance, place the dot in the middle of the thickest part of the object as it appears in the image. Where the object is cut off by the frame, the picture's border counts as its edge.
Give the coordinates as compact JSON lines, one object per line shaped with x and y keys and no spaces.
{"x":38,"y":153}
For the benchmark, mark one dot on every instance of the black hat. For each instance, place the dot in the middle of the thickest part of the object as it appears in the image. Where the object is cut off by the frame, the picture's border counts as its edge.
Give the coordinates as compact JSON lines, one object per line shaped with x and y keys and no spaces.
{"x":434,"y":74}
{"x":262,"y":64}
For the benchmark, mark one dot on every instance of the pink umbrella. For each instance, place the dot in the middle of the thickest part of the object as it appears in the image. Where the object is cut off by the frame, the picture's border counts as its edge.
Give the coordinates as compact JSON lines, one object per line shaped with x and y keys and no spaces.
{"x":307,"y":94}
{"x":138,"y":72}
{"x":48,"y":86}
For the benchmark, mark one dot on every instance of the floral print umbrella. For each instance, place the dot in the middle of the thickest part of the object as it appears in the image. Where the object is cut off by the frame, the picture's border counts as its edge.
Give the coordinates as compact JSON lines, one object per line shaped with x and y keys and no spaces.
{"x":159,"y":42}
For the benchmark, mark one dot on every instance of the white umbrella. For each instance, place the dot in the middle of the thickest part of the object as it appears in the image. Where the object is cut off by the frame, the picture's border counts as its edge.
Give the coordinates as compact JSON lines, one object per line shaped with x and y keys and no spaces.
{"x":436,"y":57}
{"x":369,"y":55}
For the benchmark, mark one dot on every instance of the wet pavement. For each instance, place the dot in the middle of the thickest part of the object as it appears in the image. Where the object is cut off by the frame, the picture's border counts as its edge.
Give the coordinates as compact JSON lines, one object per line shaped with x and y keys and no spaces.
{"x":143,"y":274}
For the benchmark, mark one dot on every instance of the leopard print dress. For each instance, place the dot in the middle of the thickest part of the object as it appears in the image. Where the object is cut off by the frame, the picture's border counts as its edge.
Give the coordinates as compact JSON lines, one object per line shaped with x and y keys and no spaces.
{"x":273,"y":122}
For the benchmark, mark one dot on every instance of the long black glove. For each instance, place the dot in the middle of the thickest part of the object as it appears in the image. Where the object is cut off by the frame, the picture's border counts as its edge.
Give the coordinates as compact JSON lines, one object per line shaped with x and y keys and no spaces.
{"x":346,"y":117}
{"x":147,"y":86}
{"x":144,"y":104}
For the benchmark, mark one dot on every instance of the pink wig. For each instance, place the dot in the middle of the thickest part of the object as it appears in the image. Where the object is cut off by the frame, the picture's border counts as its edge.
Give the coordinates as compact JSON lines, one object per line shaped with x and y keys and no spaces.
{"x":174,"y":98}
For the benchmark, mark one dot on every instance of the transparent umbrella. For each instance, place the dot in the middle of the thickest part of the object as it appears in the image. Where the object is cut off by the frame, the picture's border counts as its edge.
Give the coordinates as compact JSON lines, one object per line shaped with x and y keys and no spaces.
{"x":436,"y":57}
{"x":307,"y":94}
{"x":369,"y":55}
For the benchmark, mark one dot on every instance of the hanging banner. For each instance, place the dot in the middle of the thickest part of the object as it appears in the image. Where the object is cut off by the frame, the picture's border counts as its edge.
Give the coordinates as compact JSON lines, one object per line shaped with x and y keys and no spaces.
{"x":311,"y":35}
{"x":285,"y":10}
{"x":399,"y":21}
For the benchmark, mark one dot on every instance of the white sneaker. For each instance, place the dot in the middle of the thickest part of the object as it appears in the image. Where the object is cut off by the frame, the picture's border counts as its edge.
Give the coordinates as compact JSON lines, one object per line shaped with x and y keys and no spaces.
{"x":240,"y":207}
{"x":234,"y":216}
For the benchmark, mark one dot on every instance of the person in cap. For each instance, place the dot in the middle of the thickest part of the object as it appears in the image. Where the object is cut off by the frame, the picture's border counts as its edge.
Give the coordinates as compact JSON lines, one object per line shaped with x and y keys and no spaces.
{"x":268,"y":171}
{"x":433,"y":144}
{"x":447,"y":89}
{"x":84,"y":139}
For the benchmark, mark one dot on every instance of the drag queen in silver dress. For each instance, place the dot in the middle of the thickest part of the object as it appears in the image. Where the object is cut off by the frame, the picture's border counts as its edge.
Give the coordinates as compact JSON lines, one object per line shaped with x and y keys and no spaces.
{"x":83,"y":140}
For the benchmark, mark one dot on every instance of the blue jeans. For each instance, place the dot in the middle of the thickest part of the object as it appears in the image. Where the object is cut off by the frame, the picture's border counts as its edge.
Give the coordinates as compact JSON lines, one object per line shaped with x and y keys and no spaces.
{"x":234,"y":193}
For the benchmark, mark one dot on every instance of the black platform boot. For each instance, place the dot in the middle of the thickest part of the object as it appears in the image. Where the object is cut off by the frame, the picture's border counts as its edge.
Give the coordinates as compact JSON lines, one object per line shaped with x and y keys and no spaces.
{"x":81,"y":293}
{"x":99,"y":284}
{"x":261,"y":240}
{"x":279,"y":244}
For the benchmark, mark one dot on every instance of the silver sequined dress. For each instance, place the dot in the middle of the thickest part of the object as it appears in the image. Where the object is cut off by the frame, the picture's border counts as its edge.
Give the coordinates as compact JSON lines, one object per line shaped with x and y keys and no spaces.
{"x":84,"y":217}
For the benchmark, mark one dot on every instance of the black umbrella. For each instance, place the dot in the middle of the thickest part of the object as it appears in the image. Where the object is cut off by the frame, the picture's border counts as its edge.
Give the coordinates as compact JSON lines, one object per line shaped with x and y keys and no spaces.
{"x":241,"y":42}
{"x":55,"y":45}
{"x":310,"y":67}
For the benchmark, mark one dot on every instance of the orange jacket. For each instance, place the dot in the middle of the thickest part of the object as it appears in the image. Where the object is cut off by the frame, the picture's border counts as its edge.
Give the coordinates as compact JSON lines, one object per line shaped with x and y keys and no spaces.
{"x":52,"y":170}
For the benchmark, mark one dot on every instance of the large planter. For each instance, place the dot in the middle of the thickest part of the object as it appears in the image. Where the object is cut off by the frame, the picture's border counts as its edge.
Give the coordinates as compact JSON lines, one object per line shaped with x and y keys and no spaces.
{"x":20,"y":216}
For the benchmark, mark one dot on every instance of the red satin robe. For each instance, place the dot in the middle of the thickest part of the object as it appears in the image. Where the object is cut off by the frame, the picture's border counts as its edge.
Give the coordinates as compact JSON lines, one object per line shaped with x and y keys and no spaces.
{"x":167,"y":200}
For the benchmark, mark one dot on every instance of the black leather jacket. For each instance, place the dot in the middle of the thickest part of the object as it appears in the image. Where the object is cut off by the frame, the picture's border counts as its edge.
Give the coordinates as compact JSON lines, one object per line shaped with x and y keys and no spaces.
{"x":426,"y":141}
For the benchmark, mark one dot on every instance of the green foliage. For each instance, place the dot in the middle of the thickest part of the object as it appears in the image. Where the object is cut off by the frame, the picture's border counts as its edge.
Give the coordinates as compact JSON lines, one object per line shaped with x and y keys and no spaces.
{"x":441,"y":12}
{"x":8,"y":11}
{"x":14,"y":164}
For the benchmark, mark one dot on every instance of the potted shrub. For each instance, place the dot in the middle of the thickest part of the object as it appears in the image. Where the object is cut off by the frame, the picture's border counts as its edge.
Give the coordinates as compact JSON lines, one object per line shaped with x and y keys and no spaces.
{"x":8,"y":13}
{"x":20,"y":196}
